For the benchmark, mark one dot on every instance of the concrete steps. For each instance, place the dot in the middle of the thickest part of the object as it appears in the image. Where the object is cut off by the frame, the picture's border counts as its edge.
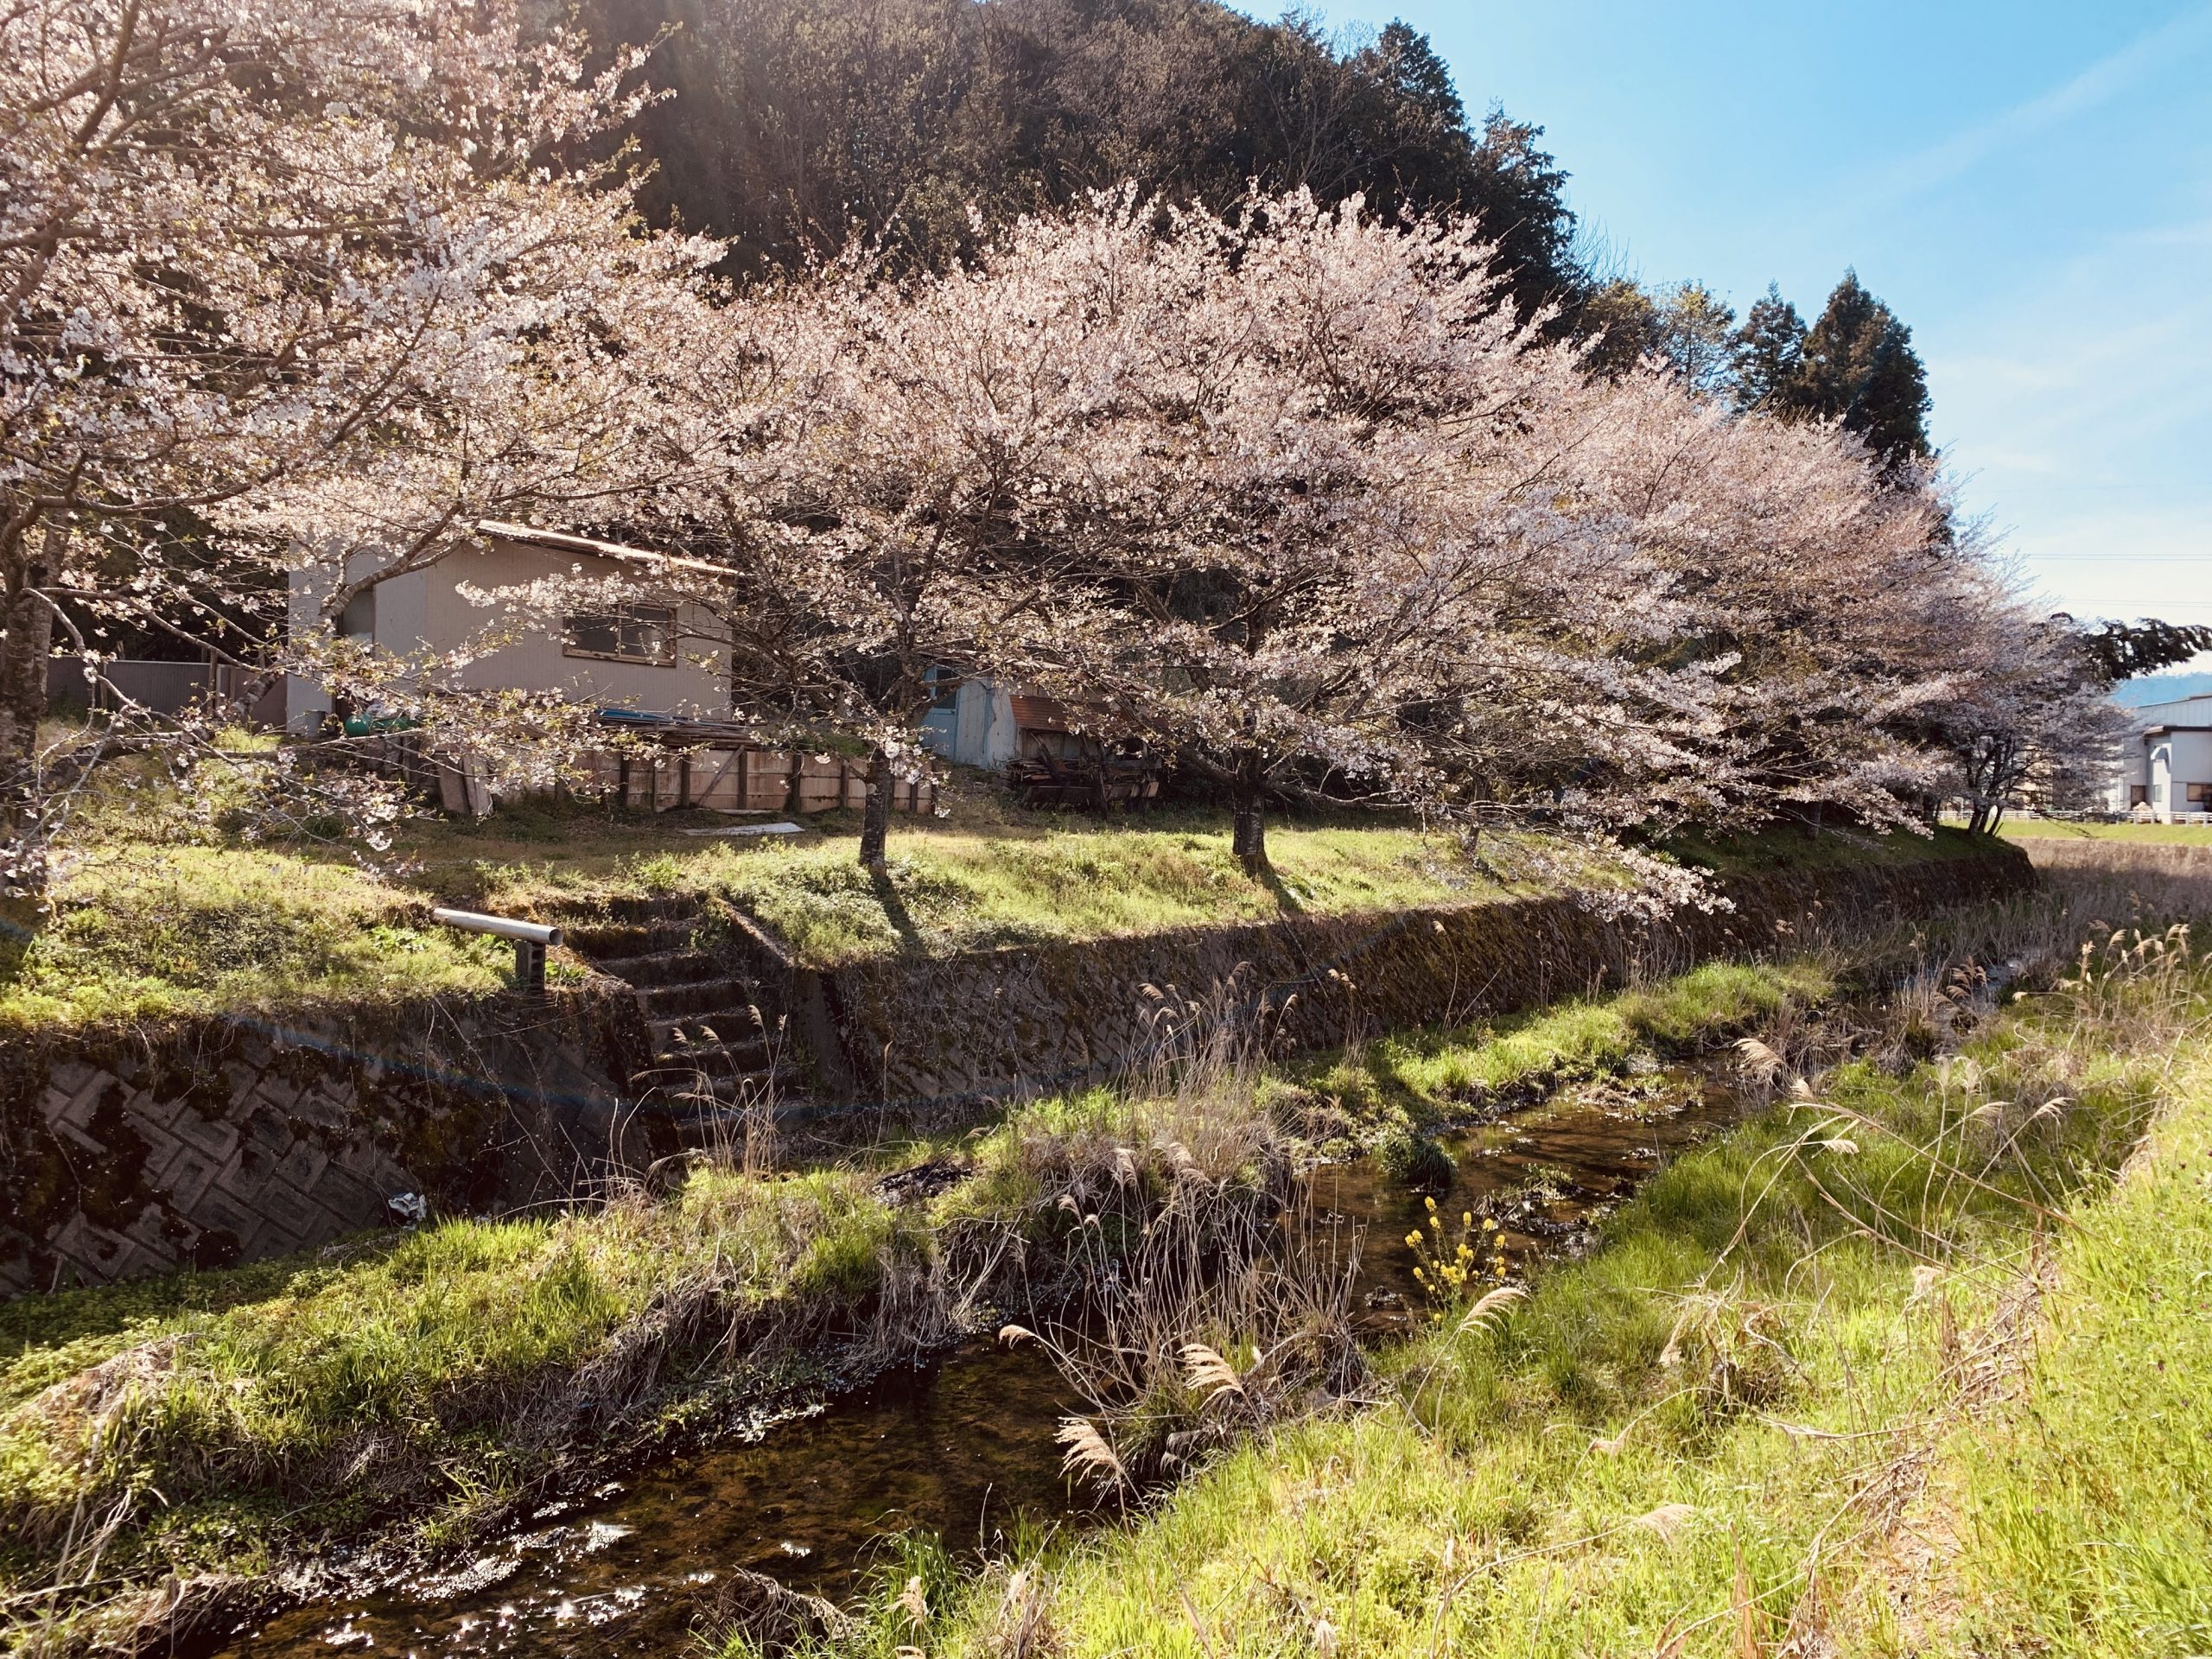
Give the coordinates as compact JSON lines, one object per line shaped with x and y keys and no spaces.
{"x":716,"y":1051}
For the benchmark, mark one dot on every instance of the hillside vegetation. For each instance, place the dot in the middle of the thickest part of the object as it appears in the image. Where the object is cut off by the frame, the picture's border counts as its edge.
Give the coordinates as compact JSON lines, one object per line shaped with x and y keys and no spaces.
{"x":790,"y":124}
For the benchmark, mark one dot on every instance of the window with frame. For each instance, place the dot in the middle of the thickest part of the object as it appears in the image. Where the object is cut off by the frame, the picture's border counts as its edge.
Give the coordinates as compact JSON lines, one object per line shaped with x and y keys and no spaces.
{"x":629,"y":633}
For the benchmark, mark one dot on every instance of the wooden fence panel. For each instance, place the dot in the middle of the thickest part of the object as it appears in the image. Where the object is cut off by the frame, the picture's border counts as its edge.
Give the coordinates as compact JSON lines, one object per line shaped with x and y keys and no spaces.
{"x":757,"y":780}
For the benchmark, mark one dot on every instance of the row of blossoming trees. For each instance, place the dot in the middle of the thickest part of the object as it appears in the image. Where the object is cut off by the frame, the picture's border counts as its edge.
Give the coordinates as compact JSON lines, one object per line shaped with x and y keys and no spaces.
{"x":1291,"y":494}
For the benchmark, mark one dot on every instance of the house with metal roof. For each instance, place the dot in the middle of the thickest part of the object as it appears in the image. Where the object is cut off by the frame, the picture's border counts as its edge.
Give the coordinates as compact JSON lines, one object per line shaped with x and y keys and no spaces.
{"x":2166,"y":772}
{"x":654,"y":653}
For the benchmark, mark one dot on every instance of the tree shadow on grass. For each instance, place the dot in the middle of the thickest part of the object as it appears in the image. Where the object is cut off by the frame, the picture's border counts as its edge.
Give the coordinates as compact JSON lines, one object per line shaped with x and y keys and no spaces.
{"x":107,"y":1310}
{"x":1286,"y":900}
{"x":895,"y":912}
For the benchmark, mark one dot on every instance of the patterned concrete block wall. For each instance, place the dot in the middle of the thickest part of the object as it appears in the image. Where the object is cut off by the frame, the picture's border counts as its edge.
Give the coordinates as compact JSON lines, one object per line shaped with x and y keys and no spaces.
{"x":205,"y":1143}
{"x":163,"y":1186}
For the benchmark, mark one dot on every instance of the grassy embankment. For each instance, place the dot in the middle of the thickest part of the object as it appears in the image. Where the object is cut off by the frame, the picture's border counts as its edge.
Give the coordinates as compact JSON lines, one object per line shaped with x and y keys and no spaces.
{"x":1896,"y":1369}
{"x":162,"y":908}
{"x":228,"y":1422}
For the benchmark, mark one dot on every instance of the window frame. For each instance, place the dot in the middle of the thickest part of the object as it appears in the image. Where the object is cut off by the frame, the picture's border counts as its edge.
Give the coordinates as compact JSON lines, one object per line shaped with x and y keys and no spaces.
{"x":627,"y":615}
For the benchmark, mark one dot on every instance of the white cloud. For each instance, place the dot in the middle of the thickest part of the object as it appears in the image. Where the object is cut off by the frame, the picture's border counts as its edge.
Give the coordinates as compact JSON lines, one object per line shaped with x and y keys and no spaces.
{"x":2102,"y":81}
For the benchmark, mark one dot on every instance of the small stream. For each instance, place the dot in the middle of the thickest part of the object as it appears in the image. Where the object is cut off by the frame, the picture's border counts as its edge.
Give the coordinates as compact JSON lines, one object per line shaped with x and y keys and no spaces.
{"x":962,"y":1447}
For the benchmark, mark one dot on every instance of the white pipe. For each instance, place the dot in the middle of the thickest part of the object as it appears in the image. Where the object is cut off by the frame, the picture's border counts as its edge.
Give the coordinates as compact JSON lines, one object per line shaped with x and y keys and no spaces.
{"x":505,"y":927}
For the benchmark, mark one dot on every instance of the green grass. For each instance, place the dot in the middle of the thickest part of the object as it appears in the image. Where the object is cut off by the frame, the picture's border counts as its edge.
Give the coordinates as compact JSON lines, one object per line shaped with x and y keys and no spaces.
{"x":1027,"y":882}
{"x":1421,"y":1077}
{"x":166,"y":930}
{"x":1013,"y":878}
{"x":155,"y":913}
{"x":2083,"y":1511}
{"x":443,"y":1346}
{"x":162,"y":907}
{"x":2185,"y":835}
{"x":1702,"y":1439}
{"x":427,"y":1368}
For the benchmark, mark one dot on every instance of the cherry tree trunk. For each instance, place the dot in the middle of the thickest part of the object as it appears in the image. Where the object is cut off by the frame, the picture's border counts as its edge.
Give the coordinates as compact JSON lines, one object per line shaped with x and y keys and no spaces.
{"x":1250,"y":840}
{"x":875,"y":814}
{"x":28,"y":641}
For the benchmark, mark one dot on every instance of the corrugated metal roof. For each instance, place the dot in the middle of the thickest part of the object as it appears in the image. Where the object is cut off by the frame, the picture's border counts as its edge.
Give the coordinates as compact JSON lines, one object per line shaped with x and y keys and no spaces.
{"x":530,"y":535}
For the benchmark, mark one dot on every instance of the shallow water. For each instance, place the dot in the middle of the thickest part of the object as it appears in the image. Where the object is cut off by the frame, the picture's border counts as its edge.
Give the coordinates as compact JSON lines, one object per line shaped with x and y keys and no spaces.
{"x":964,"y":1447}
{"x":1546,"y":1174}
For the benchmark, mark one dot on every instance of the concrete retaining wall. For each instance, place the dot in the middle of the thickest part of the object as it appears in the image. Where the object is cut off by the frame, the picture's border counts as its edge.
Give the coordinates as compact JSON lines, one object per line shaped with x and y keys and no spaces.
{"x":213,"y":1142}
{"x":923,"y":1031}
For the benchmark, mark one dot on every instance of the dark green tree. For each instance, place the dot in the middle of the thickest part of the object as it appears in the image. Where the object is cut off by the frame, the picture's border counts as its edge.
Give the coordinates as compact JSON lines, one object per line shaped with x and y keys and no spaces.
{"x":1858,"y":367}
{"x":796,"y":123}
{"x":1695,"y":331}
{"x":1619,"y":323}
{"x":1770,"y":353}
{"x":2120,"y":651}
{"x":1406,"y":65}
{"x":1517,"y":190}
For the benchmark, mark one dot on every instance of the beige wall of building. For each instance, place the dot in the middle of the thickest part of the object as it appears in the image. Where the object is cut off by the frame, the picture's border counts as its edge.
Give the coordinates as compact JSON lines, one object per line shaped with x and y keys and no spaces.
{"x":425,"y":611}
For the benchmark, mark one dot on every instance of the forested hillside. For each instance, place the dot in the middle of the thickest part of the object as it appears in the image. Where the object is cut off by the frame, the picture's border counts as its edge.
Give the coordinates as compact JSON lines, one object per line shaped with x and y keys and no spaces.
{"x":794,"y":124}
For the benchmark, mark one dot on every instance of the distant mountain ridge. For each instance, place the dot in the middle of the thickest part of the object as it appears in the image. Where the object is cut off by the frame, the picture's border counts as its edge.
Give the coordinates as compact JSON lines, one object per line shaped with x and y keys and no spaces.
{"x":2160,"y":688}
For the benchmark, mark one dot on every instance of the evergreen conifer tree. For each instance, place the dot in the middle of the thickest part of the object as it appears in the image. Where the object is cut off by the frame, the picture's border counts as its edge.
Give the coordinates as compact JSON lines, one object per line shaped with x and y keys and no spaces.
{"x":1693,"y":329}
{"x":1858,"y":367}
{"x":1770,"y":352}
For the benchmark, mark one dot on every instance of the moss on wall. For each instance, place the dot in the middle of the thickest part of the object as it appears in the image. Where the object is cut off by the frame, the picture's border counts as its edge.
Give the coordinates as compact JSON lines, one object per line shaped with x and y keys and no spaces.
{"x":921,"y":1032}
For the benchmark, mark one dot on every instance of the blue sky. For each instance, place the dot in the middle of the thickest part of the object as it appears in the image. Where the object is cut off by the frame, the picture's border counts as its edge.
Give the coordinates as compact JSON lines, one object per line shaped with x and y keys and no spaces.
{"x":2028,"y":185}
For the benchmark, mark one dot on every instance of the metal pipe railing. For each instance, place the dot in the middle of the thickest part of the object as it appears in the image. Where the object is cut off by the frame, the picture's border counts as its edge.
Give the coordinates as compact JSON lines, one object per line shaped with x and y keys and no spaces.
{"x":532,"y":939}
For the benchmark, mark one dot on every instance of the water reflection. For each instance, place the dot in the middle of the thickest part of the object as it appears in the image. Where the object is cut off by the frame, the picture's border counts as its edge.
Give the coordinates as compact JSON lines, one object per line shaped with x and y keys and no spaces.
{"x":964,"y":1448}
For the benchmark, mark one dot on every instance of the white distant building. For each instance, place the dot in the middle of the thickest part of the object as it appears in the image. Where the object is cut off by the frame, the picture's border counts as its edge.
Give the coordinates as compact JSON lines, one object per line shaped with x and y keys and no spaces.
{"x":2165,"y":769}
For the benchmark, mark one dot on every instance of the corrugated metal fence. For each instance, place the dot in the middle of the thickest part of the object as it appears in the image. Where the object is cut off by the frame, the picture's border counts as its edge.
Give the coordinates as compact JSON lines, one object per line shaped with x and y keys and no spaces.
{"x":165,"y":687}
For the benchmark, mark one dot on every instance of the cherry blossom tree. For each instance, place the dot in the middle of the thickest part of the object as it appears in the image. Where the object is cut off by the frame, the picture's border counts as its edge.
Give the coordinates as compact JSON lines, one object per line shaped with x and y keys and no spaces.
{"x":873,"y":459}
{"x":1290,"y":494}
{"x":1286,"y":518}
{"x":1819,"y":593}
{"x":1350,"y":524}
{"x":2030,"y":710}
{"x":310,"y":277}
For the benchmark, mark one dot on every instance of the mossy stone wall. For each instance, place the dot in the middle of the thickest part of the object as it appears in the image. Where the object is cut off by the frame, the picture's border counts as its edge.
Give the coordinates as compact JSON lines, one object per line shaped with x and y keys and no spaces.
{"x":922,"y":1032}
